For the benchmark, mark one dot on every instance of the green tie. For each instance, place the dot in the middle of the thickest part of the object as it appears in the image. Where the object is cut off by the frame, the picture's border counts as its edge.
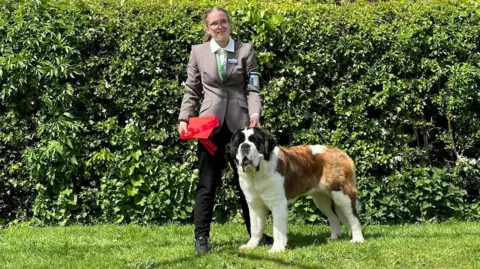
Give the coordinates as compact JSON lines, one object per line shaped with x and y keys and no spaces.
{"x":220,"y":63}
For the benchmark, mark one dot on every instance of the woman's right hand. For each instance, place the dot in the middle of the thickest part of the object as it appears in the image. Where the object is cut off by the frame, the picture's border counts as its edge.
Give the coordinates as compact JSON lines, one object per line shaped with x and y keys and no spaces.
{"x":182,"y":128}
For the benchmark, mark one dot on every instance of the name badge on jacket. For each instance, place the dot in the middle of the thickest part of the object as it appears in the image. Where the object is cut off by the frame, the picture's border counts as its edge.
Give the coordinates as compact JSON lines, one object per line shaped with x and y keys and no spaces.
{"x":232,"y":61}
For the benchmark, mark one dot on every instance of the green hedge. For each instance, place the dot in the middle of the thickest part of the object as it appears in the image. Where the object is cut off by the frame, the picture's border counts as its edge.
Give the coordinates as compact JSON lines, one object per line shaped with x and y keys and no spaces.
{"x":90,"y":92}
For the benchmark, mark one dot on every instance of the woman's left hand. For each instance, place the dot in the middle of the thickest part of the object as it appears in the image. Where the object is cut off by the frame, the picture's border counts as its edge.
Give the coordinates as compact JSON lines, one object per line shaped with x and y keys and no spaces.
{"x":255,"y":120}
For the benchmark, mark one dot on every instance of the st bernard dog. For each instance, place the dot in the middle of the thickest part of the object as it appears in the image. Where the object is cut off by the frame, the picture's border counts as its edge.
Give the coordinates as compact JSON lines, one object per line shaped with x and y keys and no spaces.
{"x":271,"y":177}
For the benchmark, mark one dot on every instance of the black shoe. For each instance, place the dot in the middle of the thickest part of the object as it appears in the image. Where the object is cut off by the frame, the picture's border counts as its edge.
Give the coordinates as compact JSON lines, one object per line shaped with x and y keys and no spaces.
{"x":201,"y":245}
{"x":266,"y":240}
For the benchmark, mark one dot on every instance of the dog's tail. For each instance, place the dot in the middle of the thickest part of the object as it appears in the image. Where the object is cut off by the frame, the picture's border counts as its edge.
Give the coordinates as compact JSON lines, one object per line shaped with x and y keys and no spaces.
{"x":357,"y":210}
{"x":358,"y":204}
{"x":358,"y":207}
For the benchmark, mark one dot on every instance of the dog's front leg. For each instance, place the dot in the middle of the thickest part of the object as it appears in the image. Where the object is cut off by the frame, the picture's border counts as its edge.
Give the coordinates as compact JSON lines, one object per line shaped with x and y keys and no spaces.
{"x":258,"y":215}
{"x":280,"y":219}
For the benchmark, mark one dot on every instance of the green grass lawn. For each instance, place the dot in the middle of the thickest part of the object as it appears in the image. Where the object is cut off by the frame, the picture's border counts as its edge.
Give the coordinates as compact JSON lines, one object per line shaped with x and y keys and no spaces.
{"x":447,"y":245}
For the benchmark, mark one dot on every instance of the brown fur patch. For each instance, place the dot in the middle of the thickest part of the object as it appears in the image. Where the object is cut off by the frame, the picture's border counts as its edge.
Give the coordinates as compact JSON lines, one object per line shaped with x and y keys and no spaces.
{"x":304,"y":172}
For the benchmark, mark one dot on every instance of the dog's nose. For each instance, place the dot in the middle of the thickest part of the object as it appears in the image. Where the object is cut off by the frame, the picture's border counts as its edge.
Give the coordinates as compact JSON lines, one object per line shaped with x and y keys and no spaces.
{"x":245,"y":148}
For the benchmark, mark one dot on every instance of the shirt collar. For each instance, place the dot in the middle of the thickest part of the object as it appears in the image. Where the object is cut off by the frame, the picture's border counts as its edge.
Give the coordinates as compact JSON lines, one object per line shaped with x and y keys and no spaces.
{"x":230,"y":46}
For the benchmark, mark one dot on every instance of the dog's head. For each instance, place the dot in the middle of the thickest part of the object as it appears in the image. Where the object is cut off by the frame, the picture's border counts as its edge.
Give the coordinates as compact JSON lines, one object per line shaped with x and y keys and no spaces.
{"x":249,"y":146}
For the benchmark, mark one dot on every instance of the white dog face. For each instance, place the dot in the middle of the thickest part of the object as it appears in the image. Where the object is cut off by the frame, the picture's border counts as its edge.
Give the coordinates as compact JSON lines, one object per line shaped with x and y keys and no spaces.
{"x":247,"y":152}
{"x":249,"y":146}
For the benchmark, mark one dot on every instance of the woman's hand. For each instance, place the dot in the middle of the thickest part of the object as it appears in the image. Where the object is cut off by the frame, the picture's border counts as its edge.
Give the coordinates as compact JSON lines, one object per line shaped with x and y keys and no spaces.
{"x":182,"y":128}
{"x":255,"y":120}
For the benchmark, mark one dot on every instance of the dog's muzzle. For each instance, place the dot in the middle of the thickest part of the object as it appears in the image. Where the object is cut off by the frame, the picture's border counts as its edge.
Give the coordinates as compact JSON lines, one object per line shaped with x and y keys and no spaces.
{"x":246,"y":157}
{"x":247,"y":162}
{"x":244,"y":149}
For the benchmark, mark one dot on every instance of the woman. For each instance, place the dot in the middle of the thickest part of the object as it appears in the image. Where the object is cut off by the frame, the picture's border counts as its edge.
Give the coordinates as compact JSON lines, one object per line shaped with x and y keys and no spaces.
{"x":219,"y":75}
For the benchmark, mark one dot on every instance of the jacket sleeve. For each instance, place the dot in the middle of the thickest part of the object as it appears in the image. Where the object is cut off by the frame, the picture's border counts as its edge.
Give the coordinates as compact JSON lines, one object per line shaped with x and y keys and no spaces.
{"x":252,"y":92}
{"x":193,"y":89}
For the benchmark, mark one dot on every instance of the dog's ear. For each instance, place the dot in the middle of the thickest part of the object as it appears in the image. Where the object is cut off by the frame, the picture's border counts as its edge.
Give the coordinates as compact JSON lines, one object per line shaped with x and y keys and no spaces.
{"x":270,"y":144}
{"x":230,"y":149}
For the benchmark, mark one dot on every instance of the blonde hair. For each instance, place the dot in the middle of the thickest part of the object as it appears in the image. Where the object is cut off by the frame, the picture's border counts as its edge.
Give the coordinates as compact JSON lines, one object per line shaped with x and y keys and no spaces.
{"x":206,"y":36}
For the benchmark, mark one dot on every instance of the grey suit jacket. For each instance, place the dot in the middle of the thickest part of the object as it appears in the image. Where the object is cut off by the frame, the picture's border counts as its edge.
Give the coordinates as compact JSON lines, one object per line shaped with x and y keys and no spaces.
{"x":232,"y":100}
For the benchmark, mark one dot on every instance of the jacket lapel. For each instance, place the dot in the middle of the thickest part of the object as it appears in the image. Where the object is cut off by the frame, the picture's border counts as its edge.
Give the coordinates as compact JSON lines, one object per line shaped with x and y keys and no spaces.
{"x":232,"y":55}
{"x":211,"y":63}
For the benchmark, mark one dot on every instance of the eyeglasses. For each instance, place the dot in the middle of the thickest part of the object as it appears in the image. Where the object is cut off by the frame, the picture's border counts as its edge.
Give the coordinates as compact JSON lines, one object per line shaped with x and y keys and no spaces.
{"x":214,"y":25}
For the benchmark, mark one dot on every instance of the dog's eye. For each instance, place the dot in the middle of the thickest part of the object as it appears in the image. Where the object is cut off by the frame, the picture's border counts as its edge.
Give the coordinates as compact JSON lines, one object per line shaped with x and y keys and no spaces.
{"x":252,"y":139}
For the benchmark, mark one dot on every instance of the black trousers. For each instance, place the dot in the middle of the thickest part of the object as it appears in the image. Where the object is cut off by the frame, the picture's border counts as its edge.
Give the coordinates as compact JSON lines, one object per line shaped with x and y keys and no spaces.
{"x":210,"y":175}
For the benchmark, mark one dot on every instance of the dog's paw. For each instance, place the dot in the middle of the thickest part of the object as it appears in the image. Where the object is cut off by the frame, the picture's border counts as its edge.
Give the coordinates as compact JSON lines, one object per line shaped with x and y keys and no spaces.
{"x":357,"y":240}
{"x":276,"y":249}
{"x":245,"y":246}
{"x":249,"y":245}
{"x":333,"y":237}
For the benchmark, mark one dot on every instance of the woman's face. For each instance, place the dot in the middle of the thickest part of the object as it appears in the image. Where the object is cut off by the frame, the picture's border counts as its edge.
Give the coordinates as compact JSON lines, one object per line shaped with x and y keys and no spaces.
{"x":218,"y":26}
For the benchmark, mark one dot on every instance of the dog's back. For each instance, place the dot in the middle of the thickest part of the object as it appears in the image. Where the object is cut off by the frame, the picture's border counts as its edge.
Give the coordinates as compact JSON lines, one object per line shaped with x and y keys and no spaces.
{"x":308,"y":169}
